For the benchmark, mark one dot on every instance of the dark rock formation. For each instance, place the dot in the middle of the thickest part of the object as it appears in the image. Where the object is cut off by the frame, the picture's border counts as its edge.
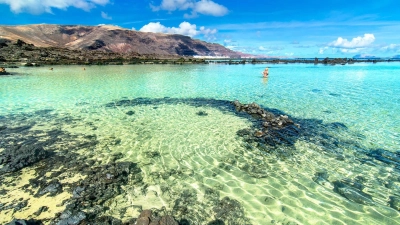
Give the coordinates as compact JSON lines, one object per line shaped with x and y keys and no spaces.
{"x":15,"y":205}
{"x":230,"y":211}
{"x":4,"y":42}
{"x":394,"y":202}
{"x":19,"y":156}
{"x":52,"y":188}
{"x":71,"y":218}
{"x":130,"y":113}
{"x":353,"y":193}
{"x":202,"y":113}
{"x":25,"y":222}
{"x":391,"y":158}
{"x":271,"y":129}
{"x":96,"y":45}
{"x":147,"y":217}
{"x":41,"y":209}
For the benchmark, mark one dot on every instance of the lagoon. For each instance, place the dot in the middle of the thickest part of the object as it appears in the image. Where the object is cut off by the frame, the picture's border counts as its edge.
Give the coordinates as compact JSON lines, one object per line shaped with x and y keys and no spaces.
{"x":174,"y":123}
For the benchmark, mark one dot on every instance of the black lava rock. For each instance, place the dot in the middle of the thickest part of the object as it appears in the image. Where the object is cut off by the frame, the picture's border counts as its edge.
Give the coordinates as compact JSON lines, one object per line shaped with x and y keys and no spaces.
{"x":25,"y":222}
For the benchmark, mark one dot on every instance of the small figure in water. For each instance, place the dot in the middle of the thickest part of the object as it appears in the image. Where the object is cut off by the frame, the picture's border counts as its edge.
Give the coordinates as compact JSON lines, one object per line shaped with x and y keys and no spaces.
{"x":51,"y":68}
{"x":84,"y":68}
{"x":265,"y":72}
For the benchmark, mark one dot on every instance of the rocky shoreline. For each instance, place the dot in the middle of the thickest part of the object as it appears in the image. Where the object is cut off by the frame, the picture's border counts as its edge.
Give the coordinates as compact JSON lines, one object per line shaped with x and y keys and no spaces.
{"x":24,"y":54}
{"x":19,"y":53}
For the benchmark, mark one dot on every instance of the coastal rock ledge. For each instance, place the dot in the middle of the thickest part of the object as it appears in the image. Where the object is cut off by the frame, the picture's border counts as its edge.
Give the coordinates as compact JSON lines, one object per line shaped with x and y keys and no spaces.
{"x":271,"y":130}
{"x":146,"y":217}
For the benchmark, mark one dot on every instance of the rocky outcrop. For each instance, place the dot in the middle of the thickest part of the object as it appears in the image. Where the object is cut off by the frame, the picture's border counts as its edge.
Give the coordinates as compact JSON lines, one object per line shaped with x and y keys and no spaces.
{"x":148,"y":218}
{"x":22,"y":53}
{"x":270,"y":122}
{"x":25,"y":222}
{"x":96,"y":45}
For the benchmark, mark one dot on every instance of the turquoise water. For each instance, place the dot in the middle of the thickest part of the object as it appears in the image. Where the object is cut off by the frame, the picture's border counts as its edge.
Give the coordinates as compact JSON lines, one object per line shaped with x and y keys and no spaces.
{"x":350,"y":114}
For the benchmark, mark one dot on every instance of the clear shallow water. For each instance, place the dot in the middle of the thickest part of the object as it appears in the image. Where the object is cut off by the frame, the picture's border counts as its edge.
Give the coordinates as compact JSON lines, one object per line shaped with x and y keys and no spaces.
{"x":349,"y":111}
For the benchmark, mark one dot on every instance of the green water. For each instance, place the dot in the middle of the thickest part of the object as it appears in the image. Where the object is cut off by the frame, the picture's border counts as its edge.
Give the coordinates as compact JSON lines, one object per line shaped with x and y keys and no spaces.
{"x":347,"y":112}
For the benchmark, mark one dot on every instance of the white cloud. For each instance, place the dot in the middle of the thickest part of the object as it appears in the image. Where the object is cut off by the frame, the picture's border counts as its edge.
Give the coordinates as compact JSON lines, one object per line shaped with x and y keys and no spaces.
{"x":270,"y":48}
{"x":154,"y":27}
{"x":40,"y":6}
{"x":208,"y":7}
{"x":106,"y":16}
{"x":353,"y":50}
{"x":208,"y":33}
{"x":266,"y":50}
{"x":357,"y":42}
{"x":172,"y":5}
{"x":205,"y":7}
{"x":391,"y":48}
{"x":185,"y":28}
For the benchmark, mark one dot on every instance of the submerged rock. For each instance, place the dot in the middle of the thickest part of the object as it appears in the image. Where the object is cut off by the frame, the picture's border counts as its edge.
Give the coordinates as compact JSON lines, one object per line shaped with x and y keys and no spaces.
{"x":20,"y":156}
{"x":274,"y":130}
{"x":229,"y":211}
{"x":394,"y":202}
{"x":71,"y":218}
{"x":15,"y":205}
{"x":167,"y":220}
{"x":25,"y":222}
{"x":392,"y":158}
{"x":147,"y":217}
{"x":53,"y":188}
{"x":40,"y":210}
{"x":130,"y":113}
{"x":78,"y":192}
{"x":202,"y":113}
{"x":321,"y":178}
{"x":353,"y":194}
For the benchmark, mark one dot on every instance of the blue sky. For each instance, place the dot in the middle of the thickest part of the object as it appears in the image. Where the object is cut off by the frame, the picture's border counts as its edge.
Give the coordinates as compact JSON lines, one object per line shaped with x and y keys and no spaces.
{"x":287,"y":28}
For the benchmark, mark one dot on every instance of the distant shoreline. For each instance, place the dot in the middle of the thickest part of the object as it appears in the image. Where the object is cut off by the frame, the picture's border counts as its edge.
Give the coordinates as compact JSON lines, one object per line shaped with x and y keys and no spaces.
{"x":188,"y":60}
{"x":23,"y":54}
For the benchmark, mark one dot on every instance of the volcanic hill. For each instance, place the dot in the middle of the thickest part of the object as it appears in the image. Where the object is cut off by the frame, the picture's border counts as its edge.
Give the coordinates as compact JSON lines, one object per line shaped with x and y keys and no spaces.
{"x":113,"y":39}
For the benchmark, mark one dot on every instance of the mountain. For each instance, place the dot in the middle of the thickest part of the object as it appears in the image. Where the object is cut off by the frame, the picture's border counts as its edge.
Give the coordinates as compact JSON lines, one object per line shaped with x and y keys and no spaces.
{"x":363,"y":56}
{"x":396,"y":57}
{"x":113,"y":39}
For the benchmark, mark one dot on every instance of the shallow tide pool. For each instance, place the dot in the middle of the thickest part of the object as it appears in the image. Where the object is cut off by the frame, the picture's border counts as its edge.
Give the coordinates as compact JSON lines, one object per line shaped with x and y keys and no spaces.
{"x":167,"y":138}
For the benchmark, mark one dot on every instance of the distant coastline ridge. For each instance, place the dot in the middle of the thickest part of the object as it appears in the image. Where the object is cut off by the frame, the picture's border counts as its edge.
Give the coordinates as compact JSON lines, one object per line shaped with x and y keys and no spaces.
{"x":35,"y":45}
{"x":20,"y":53}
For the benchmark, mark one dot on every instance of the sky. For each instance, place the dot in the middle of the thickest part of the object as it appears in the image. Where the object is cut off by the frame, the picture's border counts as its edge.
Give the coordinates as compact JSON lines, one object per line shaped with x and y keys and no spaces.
{"x":285,"y":28}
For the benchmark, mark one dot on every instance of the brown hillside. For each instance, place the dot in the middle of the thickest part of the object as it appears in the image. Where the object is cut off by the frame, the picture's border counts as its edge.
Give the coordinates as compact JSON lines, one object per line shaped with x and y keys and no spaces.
{"x":113,"y":39}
